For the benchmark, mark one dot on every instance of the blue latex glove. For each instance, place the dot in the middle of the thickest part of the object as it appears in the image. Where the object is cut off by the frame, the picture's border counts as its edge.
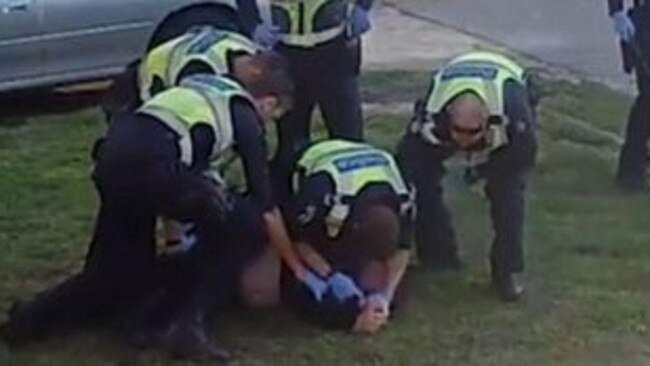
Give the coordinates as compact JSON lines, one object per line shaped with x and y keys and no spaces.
{"x":316,"y":285}
{"x":359,"y":22}
{"x":623,"y":26}
{"x":266,"y":35}
{"x":343,"y":287}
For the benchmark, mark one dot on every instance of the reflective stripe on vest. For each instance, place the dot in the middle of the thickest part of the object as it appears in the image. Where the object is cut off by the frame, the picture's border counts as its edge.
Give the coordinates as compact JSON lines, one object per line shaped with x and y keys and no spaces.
{"x":206,"y":45}
{"x":481,"y":73}
{"x":307,"y":23}
{"x":352,"y":166}
{"x":199,"y":99}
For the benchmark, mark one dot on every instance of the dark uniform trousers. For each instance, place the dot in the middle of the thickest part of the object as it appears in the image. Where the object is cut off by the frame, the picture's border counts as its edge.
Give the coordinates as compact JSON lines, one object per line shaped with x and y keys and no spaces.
{"x":505,"y":174}
{"x":325,"y":76}
{"x":634,"y":154}
{"x":139,"y":178}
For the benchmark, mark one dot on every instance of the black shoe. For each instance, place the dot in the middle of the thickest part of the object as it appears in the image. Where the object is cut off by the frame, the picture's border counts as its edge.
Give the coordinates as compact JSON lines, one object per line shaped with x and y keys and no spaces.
{"x":189,"y":341}
{"x":22,"y":326}
{"x":507,"y":286}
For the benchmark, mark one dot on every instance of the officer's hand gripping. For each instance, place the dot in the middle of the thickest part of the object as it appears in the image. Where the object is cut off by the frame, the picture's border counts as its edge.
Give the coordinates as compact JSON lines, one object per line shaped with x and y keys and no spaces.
{"x":316,"y":285}
{"x":359,"y":22}
{"x":343,"y":287}
{"x":623,"y":26}
{"x":266,"y":35}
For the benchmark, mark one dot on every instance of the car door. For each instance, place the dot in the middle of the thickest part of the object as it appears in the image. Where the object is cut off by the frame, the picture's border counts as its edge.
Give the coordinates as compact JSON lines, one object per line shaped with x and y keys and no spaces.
{"x":21,"y":47}
{"x":96,"y":38}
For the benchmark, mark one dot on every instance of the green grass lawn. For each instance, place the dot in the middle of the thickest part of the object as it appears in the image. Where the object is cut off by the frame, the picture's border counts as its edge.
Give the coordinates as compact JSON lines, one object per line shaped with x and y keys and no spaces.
{"x":588,"y":255}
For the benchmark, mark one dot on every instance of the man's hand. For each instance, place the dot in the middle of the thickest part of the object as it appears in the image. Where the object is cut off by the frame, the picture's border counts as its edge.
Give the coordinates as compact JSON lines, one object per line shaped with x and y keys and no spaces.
{"x":359,"y":22}
{"x":378,"y":303}
{"x":315,"y":284}
{"x":266,"y":35}
{"x":369,"y":322}
{"x":623,"y":26}
{"x":343,"y":287}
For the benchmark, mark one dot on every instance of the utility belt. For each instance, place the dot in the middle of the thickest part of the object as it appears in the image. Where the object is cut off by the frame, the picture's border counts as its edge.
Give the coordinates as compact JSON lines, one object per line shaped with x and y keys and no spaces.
{"x":307,"y":40}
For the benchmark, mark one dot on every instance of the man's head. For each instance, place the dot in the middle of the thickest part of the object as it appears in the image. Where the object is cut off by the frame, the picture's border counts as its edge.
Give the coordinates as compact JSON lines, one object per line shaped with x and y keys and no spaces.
{"x":266,"y":77}
{"x":370,"y":239}
{"x":468,"y":118}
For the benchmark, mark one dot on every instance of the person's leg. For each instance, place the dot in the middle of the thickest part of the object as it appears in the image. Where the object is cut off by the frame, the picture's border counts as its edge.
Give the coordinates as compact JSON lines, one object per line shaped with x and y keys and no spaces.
{"x":117,"y":269}
{"x":633,"y":158}
{"x":435,"y":237}
{"x":339,"y":97}
{"x":293,"y":133}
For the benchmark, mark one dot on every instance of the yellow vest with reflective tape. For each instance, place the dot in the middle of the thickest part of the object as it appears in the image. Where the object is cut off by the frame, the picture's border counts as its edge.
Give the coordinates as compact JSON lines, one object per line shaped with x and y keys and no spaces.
{"x":199,"y":99}
{"x":484,"y":74}
{"x":352,"y":166}
{"x":307,"y":23}
{"x":206,"y":45}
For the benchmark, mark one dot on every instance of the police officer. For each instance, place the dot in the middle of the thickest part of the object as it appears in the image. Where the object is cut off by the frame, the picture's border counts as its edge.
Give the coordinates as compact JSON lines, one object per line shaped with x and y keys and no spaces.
{"x":153,"y":163}
{"x":349,"y":216}
{"x":477,"y":110}
{"x":321,"y":40}
{"x":631,"y":26}
{"x":200,"y":50}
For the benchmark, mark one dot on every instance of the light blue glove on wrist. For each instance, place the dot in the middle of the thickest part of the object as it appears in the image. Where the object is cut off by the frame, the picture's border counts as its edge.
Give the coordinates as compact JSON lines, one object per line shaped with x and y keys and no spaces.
{"x":316,"y":285}
{"x":266,"y":35}
{"x":359,"y":22}
{"x":379,"y":299}
{"x":623,"y":26}
{"x":343,"y":287}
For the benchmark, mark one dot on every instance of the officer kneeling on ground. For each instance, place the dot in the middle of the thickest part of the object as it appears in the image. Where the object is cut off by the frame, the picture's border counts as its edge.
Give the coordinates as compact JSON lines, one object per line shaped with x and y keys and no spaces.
{"x":349,"y":216}
{"x":153,"y":163}
{"x":479,"y":110}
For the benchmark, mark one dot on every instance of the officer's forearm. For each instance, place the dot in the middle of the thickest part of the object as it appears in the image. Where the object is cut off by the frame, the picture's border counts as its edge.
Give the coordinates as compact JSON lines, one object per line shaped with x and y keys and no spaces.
{"x":313,"y":259}
{"x":281,"y":243}
{"x":396,"y":269}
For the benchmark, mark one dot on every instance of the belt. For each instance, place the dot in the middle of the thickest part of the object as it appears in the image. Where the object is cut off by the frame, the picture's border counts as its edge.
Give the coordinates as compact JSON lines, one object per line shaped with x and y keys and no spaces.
{"x":312,"y":39}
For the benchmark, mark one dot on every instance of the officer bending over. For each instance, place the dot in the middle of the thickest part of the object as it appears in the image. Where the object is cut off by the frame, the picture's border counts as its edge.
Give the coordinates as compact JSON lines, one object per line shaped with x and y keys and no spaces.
{"x":350,"y":215}
{"x":478,"y":110}
{"x":205,"y":50}
{"x":153,"y":163}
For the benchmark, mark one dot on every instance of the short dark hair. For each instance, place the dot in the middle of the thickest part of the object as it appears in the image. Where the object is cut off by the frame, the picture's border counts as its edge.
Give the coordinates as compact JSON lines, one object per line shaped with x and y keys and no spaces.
{"x":269,"y":76}
{"x":372,"y":233}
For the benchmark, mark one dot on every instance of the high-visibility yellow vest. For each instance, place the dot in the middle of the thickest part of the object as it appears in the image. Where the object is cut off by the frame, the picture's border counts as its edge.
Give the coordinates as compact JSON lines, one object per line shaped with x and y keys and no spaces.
{"x":307,"y":23}
{"x":484,"y":74}
{"x":199,"y":99}
{"x":352,"y":166}
{"x":206,"y":45}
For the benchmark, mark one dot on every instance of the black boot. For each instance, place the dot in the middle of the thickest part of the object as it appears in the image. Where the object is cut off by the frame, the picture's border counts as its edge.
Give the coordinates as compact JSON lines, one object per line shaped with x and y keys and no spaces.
{"x":507,"y":285}
{"x":25,"y":324}
{"x":186,"y":339}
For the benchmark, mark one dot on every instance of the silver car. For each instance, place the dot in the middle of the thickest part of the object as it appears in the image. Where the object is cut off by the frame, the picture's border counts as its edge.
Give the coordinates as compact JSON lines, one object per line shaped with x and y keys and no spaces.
{"x":47,"y":43}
